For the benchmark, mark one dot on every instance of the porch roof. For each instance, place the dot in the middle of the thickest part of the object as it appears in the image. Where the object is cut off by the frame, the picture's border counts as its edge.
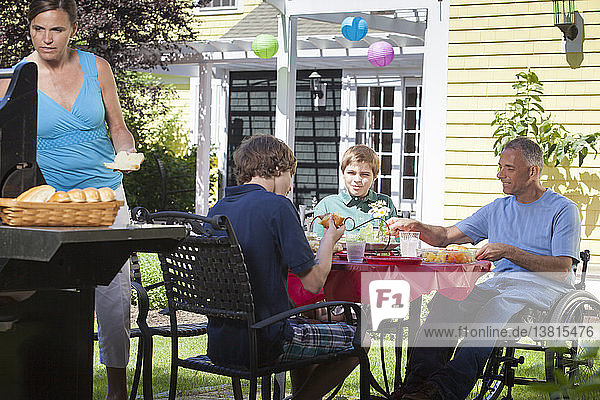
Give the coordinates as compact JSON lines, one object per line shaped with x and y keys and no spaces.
{"x":319,"y":38}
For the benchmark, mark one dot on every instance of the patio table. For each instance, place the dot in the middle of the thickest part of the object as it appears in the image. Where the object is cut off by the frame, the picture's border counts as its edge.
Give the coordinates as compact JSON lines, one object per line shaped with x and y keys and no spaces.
{"x":454,"y":281}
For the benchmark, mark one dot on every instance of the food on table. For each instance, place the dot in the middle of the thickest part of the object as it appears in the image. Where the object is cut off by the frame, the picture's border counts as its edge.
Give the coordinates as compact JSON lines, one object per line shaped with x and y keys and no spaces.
{"x":59,"y":197}
{"x":92,"y":195}
{"x":106,"y":194}
{"x":453,"y":254}
{"x":338,"y":220}
{"x":77,"y":195}
{"x":37,"y":194}
{"x":126,"y":161}
{"x":315,"y":241}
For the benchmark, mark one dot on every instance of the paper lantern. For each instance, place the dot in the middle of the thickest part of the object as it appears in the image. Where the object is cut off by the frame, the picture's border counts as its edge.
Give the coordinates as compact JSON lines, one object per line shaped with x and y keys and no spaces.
{"x":354,"y":28}
{"x":380,"y":54}
{"x":265,"y":46}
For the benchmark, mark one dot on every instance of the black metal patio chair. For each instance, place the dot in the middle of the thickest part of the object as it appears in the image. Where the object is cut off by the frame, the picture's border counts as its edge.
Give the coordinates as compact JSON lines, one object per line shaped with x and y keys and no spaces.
{"x":145,"y":332}
{"x":207,"y":275}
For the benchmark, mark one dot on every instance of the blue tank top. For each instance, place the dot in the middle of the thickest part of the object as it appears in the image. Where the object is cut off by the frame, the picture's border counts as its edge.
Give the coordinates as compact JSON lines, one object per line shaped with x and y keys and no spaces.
{"x":72,"y":146}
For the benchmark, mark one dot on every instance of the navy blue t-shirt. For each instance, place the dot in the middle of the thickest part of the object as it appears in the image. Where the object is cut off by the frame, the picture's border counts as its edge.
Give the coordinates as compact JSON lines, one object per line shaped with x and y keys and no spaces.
{"x":272,"y":240}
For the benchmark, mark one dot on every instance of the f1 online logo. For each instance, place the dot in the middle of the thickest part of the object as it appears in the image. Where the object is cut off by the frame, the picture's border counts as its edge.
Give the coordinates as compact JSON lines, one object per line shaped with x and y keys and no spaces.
{"x":389,"y":300}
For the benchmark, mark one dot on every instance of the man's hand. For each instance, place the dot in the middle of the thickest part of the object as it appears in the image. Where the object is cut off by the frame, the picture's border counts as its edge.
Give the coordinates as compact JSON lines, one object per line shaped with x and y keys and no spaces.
{"x":558,"y":266}
{"x":398,"y":225}
{"x":494,"y":251}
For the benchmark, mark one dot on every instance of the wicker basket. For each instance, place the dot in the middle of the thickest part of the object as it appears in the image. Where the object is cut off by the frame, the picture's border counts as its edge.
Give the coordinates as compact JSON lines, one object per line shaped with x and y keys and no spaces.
{"x":23,"y":213}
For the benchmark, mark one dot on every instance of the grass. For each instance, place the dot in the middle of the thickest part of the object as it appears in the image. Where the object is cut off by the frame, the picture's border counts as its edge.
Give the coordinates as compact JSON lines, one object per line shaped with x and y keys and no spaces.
{"x":190,"y":381}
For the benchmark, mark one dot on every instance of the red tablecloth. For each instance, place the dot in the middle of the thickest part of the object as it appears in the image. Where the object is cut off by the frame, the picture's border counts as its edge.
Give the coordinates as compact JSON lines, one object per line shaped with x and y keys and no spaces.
{"x":452,"y":280}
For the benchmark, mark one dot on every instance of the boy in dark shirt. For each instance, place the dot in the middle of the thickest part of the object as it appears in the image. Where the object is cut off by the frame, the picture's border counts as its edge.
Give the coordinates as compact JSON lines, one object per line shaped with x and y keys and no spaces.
{"x":273,"y":241}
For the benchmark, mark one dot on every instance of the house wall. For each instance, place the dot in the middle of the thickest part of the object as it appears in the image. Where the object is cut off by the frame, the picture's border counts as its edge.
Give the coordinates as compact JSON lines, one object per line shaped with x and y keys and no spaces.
{"x":490,"y":42}
{"x":214,"y":24}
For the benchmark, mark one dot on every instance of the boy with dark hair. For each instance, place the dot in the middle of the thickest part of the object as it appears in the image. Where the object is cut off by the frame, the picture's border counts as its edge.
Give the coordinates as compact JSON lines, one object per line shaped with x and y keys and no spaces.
{"x":273,"y":241}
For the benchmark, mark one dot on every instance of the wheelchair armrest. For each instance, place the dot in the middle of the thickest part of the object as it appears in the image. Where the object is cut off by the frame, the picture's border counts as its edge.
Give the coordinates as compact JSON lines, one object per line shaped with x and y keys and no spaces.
{"x":295,"y":311}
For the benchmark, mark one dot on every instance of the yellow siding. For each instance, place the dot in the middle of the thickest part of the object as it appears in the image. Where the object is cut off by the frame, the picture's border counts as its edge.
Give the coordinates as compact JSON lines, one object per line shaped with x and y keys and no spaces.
{"x":216,"y":25}
{"x":491,"y":41}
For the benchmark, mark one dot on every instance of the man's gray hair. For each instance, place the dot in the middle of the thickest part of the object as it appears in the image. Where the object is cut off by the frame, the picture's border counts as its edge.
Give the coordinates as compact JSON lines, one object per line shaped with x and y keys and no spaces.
{"x":532,"y":153}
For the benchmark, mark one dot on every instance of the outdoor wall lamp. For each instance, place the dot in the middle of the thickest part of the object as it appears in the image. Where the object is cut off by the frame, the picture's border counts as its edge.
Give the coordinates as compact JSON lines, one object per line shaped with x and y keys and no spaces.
{"x":318,"y":90}
{"x":564,"y":18}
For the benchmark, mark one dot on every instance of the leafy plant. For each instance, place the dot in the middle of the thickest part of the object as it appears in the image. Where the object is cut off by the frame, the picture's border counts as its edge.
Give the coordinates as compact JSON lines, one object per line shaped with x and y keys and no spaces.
{"x":525,"y":116}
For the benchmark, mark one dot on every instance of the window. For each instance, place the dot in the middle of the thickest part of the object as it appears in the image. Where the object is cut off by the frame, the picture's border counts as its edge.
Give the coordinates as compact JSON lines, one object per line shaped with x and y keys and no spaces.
{"x":375,"y":128}
{"x":219,"y":7}
{"x":388,"y":119}
{"x":410,"y":142}
{"x":222,"y":3}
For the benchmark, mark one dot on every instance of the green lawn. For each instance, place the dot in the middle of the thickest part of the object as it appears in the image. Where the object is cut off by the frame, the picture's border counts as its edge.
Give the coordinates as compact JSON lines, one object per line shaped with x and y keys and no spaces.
{"x":193,"y":381}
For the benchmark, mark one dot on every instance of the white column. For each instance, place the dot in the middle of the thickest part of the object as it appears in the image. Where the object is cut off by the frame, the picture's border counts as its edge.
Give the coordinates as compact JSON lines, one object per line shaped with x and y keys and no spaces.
{"x":433,"y":118}
{"x":285,"y":114}
{"x":203,"y":152}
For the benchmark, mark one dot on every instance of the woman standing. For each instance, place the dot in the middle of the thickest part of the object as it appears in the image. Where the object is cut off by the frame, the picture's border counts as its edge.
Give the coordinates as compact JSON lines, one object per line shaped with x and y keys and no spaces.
{"x":77,"y":100}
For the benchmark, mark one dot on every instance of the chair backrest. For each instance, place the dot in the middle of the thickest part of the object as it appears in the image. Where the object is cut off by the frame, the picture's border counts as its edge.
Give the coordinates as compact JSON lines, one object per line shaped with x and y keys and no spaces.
{"x":206,"y":274}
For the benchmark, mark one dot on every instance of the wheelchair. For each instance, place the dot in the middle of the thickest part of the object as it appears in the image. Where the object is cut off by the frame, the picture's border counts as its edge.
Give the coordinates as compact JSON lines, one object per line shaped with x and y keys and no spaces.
{"x":568,"y":366}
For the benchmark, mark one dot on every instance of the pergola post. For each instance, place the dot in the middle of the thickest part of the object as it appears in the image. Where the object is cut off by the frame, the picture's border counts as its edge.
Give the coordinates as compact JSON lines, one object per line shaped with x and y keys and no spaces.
{"x":285,"y":113}
{"x":203,"y":150}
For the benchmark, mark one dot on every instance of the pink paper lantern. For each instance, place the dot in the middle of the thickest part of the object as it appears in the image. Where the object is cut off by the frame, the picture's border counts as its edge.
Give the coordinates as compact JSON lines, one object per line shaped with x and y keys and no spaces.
{"x":380,"y":54}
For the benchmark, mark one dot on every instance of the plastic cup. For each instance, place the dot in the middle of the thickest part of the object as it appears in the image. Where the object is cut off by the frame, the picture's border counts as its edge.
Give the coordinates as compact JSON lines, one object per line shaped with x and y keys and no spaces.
{"x":355,"y":250}
{"x":409,"y":243}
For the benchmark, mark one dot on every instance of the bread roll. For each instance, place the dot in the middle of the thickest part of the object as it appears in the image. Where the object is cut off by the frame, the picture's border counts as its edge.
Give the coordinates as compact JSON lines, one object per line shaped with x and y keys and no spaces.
{"x":106,"y":194}
{"x":59,"y":197}
{"x":92,"y":195}
{"x":338,"y":220}
{"x":37,"y":194}
{"x":76,"y":195}
{"x":126,"y":161}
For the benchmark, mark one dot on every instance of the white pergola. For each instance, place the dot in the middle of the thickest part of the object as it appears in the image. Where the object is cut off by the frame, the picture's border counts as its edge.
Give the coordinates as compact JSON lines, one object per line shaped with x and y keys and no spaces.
{"x":429,"y":35}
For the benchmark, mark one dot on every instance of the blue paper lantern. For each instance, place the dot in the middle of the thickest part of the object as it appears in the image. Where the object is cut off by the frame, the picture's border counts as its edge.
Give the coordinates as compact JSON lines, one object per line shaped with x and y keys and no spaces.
{"x":265,"y":46}
{"x":354,"y":28}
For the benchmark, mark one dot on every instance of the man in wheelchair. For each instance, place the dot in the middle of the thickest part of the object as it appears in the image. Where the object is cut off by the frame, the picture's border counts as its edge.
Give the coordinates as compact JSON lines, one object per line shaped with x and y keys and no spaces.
{"x":533,"y":238}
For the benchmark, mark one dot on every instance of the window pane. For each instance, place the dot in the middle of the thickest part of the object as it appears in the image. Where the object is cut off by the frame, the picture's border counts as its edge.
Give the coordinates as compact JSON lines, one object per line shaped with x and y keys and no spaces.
{"x":361,"y":138}
{"x":375,"y":97}
{"x":388,"y":120}
{"x":410,"y":145}
{"x":408,"y":189}
{"x":375,"y":119}
{"x":388,"y":97}
{"x":361,"y":119}
{"x":362,"y":96}
{"x":409,"y":168}
{"x":411,"y":97}
{"x":410,"y":120}
{"x":375,"y":141}
{"x":386,"y":142}
{"x":386,"y":165}
{"x":386,"y":186}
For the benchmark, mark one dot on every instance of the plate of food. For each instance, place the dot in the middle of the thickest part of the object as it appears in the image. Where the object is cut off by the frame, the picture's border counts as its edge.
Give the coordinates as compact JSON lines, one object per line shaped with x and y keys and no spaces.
{"x":453,"y":254}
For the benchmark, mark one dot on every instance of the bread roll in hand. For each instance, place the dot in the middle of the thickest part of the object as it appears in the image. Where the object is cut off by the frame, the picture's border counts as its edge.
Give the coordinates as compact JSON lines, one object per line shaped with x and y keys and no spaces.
{"x":106,"y":194}
{"x":76,"y":195}
{"x":92,"y":195}
{"x":37,"y":194}
{"x":59,"y":197}
{"x":126,"y":161}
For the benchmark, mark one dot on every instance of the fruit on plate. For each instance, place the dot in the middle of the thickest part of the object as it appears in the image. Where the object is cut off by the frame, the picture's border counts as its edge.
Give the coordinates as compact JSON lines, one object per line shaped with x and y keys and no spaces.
{"x":338,"y":220}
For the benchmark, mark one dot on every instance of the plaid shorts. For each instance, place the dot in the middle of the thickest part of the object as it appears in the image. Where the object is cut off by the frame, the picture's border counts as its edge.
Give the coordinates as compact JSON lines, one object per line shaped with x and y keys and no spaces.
{"x":311,"y":340}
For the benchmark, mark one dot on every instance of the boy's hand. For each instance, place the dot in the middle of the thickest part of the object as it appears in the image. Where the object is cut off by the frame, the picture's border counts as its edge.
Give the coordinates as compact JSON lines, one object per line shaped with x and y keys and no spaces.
{"x":332,"y":232}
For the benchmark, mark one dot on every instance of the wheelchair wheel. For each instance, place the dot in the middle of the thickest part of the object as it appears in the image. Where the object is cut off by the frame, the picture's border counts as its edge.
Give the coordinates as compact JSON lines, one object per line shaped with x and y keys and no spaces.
{"x":573,"y":364}
{"x":491,"y":383}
